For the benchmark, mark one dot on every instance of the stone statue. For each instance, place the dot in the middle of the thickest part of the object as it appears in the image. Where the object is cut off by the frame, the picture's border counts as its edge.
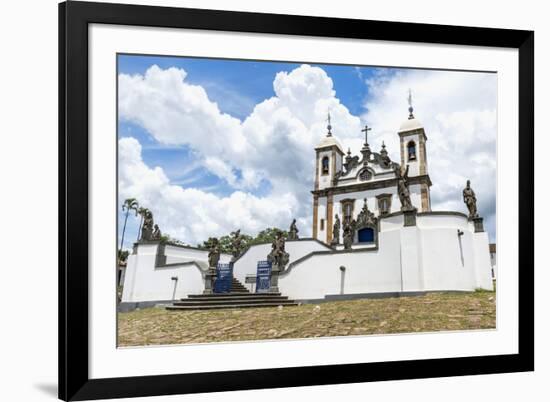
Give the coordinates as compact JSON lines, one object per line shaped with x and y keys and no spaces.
{"x":214,"y":253}
{"x":278,"y":256}
{"x":147,"y":228}
{"x":156,"y":233}
{"x":336,"y":230}
{"x":293,"y":231}
{"x":470,"y":200}
{"x":236,"y":243}
{"x":365,"y":218}
{"x":348,"y":235}
{"x":403,"y":188}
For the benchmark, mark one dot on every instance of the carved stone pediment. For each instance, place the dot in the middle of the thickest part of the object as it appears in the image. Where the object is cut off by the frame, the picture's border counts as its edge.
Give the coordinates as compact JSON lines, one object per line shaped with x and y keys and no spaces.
{"x":366,"y":218}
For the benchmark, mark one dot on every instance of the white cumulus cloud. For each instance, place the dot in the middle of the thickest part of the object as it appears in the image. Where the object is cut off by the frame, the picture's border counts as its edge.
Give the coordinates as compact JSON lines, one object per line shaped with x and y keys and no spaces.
{"x":193,"y":215}
{"x":275,"y":143}
{"x":458,"y":111}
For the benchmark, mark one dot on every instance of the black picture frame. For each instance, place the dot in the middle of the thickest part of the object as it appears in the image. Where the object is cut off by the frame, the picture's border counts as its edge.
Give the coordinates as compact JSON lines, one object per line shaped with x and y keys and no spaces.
{"x":74,"y":18}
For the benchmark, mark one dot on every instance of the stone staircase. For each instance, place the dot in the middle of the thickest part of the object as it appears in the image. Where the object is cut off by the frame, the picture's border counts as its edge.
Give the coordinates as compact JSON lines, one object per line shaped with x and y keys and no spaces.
{"x":238,"y":297}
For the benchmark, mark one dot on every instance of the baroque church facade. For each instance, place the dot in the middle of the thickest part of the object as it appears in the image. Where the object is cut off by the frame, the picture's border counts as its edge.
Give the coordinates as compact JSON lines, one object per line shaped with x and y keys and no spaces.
{"x":343,"y":182}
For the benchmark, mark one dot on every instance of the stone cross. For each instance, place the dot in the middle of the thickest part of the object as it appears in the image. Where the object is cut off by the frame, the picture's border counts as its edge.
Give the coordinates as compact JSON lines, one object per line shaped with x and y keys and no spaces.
{"x":366,"y":131}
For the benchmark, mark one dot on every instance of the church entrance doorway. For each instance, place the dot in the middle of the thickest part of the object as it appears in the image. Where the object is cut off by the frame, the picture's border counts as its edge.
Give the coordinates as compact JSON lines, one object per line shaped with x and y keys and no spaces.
{"x":365,"y":235}
{"x":224,"y":277}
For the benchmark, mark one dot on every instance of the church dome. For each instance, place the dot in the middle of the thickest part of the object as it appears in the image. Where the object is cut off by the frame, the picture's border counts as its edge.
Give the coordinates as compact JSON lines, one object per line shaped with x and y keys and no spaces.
{"x":410,"y":124}
{"x":329,"y":141}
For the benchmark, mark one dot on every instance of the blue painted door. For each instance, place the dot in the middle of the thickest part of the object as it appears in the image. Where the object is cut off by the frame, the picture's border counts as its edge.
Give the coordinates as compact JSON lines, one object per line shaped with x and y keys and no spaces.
{"x":224,"y":277}
{"x":263,"y":277}
{"x":365,"y":235}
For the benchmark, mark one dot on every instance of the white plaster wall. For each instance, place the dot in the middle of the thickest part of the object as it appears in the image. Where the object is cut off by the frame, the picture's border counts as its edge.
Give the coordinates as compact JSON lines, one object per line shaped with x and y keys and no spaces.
{"x":338,"y":162}
{"x":429,"y":256}
{"x":247,"y":264}
{"x":391,"y":223}
{"x":145,"y":282}
{"x":442,"y":264}
{"x":366,"y":271}
{"x":435,"y":221}
{"x":416,"y":198}
{"x":482,"y":260}
{"x":175,"y":254}
{"x":426,"y":257}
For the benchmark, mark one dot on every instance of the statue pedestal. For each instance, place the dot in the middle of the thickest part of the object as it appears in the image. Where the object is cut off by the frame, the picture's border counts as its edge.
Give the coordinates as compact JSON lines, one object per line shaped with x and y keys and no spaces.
{"x":478,"y":224}
{"x":274,"y":281}
{"x":409,"y":217}
{"x":209,"y":279}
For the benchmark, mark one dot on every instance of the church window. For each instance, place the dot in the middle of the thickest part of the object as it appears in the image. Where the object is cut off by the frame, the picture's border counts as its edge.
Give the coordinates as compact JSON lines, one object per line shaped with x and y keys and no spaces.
{"x":365,"y":175}
{"x":324,"y":165}
{"x":411,"y":150}
{"x":384,"y":204}
{"x":347,"y":209}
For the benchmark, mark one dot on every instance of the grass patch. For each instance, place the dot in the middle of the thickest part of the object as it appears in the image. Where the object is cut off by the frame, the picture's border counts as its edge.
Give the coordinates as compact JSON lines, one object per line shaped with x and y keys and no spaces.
{"x":432,"y":312}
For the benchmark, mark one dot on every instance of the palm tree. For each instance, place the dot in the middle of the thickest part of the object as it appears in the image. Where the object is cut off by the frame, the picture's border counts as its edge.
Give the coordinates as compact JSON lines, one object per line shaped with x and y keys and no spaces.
{"x":129,"y":204}
{"x":141,"y":212}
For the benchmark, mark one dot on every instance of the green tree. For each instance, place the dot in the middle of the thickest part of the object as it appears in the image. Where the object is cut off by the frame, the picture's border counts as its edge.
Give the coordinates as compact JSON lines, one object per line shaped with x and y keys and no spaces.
{"x":225,"y":242}
{"x":123,"y":255}
{"x":268,"y":235}
{"x":130,"y":204}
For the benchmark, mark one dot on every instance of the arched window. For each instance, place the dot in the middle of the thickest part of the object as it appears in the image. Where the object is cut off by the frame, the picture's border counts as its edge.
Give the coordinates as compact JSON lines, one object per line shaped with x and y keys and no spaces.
{"x":411,"y":150}
{"x":324,"y":165}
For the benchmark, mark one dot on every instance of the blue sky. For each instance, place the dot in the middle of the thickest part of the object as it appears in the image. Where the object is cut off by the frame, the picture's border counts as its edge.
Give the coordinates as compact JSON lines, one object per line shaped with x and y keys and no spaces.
{"x":236,"y":86}
{"x":189,"y":125}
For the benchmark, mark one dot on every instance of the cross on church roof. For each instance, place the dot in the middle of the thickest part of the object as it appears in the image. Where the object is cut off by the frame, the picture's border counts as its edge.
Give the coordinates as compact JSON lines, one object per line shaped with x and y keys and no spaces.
{"x":366,"y":131}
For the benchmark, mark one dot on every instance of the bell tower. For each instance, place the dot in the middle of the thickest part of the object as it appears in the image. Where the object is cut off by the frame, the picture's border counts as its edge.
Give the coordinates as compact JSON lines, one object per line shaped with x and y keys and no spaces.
{"x":328,"y":162}
{"x":329,"y":156}
{"x":412,"y":143}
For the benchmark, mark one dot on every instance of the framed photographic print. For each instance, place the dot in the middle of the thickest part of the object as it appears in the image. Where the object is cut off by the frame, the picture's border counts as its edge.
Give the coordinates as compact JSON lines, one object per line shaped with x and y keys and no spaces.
{"x":258,"y":200}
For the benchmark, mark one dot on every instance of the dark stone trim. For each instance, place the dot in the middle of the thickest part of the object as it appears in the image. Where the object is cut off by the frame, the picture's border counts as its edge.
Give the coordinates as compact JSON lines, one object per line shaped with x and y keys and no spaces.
{"x":287,"y":241}
{"x":423,"y":179}
{"x":378,"y":295}
{"x":455,"y":213}
{"x":328,"y":252}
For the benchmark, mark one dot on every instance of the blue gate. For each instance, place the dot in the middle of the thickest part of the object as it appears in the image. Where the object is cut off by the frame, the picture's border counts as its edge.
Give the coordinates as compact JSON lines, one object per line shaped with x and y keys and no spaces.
{"x":224,"y":277}
{"x":263,"y":277}
{"x":365,"y":235}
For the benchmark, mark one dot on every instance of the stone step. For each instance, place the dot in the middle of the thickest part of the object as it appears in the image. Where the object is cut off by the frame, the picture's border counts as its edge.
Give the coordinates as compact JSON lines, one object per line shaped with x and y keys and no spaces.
{"x":236,"y":297}
{"x":211,"y":302}
{"x":227,"y":306}
{"x":233,"y":294}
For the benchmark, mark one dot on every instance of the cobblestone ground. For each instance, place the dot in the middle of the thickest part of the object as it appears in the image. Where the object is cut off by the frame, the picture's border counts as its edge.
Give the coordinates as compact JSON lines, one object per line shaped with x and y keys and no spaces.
{"x":432,"y":312}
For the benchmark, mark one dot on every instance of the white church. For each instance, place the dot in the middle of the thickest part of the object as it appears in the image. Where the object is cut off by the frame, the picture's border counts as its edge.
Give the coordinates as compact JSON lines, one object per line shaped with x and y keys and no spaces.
{"x":374,"y":235}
